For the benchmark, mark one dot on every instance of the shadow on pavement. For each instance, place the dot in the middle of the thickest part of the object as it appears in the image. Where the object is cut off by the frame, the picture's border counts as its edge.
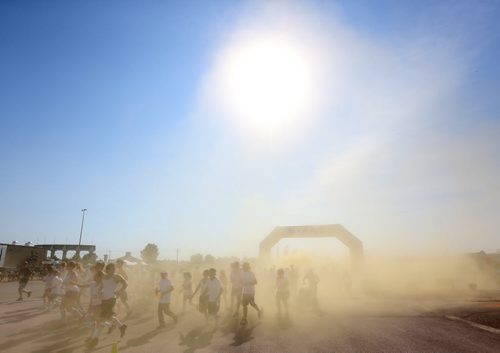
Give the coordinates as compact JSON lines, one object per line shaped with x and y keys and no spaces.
{"x":19,"y":315}
{"x":145,"y":338}
{"x":243,"y":335}
{"x":196,"y":339}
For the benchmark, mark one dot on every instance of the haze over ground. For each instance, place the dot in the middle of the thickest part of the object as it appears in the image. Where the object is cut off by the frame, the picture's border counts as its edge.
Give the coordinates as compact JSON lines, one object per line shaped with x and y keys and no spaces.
{"x":125,"y":109}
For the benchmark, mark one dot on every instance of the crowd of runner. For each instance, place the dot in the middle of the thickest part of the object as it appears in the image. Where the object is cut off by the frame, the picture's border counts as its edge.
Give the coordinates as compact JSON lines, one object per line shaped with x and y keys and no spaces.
{"x":105,"y":284}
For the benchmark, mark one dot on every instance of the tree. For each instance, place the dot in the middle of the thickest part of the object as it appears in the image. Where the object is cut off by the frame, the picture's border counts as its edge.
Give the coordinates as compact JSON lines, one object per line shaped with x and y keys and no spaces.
{"x":150,"y":253}
{"x":196,"y":259}
{"x":209,"y":259}
{"x":89,"y":258}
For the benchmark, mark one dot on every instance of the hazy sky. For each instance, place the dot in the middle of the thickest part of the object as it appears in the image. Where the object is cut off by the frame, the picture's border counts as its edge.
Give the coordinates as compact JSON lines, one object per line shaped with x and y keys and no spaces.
{"x":120,"y":107}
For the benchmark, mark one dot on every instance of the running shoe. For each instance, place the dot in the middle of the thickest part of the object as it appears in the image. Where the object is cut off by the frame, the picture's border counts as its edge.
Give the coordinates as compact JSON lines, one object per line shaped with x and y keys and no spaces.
{"x":123,"y":328}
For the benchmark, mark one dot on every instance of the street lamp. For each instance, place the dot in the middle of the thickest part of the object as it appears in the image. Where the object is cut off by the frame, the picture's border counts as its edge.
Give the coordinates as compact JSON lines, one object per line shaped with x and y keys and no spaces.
{"x":81,"y":231}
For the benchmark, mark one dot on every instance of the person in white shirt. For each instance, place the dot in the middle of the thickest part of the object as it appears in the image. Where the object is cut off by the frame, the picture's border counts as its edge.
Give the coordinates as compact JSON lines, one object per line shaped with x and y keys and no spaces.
{"x":48,"y":287}
{"x":164,"y":291}
{"x":214,"y":291}
{"x":282,"y":291}
{"x":94,"y":310}
{"x":71,"y":292}
{"x":112,"y":285}
{"x":235,"y":278}
{"x":120,"y":269}
{"x":248,"y":281}
{"x":203,"y":300}
{"x":57,"y":290}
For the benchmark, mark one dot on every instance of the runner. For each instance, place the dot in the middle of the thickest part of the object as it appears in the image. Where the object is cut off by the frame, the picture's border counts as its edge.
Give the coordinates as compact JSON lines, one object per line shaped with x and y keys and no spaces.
{"x":312,"y":280}
{"x":236,"y":287}
{"x":214,"y":291}
{"x":24,"y":276}
{"x":56,"y":290}
{"x":112,"y":284}
{"x":282,"y":291}
{"x":62,"y":269}
{"x":203,"y":300}
{"x":224,"y":282}
{"x":123,"y":294}
{"x":49,"y":277}
{"x":248,"y":293}
{"x":164,"y":290}
{"x":94,"y":309}
{"x":187,"y":290}
{"x":294,"y":278}
{"x":71,"y":292}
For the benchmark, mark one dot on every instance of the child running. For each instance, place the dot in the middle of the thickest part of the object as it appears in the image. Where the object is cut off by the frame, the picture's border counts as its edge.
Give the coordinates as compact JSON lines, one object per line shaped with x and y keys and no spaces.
{"x":94,"y":310}
{"x":112,"y":284}
{"x":282,"y":292}
{"x":187,"y":290}
{"x":203,"y":300}
{"x":56,"y":290}
{"x":71,"y":292}
{"x":236,"y":288}
{"x":214,"y":291}
{"x":24,"y":276}
{"x":49,"y":277}
{"x":248,"y":293}
{"x":164,"y":290}
{"x":120,"y":269}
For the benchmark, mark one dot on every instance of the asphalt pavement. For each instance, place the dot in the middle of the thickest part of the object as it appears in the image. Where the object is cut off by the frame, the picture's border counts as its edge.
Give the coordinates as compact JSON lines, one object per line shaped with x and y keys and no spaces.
{"x":26,"y":327}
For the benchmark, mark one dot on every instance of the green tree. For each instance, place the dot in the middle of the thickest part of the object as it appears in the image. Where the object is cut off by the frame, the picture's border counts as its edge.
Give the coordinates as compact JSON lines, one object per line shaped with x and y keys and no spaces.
{"x":150,"y":253}
{"x":209,"y":259}
{"x":89,"y":258}
{"x":196,"y":259}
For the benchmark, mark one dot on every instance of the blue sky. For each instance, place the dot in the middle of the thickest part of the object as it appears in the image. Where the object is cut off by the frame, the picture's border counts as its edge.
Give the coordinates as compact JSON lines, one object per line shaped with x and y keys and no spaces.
{"x":104,"y":107}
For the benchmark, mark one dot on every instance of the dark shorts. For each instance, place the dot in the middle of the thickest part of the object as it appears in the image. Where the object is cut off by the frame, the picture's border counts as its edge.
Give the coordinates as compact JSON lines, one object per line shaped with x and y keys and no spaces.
{"x":70,"y":298}
{"x":202,"y":307}
{"x":107,"y":307}
{"x":236,"y":292}
{"x":164,"y":306}
{"x":247,"y":299}
{"x":213,"y":308}
{"x":23,"y":283}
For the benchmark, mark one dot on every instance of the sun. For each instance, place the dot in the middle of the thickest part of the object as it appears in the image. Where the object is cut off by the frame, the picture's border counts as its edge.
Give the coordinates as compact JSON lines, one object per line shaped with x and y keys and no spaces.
{"x":266,"y":83}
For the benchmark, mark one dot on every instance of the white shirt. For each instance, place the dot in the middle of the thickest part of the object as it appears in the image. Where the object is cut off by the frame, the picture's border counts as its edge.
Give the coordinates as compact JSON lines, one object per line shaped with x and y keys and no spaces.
{"x":165,"y":285}
{"x":213,"y":289}
{"x":71,"y":276}
{"x":109,"y":288}
{"x":48,"y":281}
{"x":56,"y":285}
{"x":248,"y":279}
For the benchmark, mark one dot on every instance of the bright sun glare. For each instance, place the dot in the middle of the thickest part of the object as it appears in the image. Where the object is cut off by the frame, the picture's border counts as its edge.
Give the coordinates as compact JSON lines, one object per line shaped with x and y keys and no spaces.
{"x":266,"y":84}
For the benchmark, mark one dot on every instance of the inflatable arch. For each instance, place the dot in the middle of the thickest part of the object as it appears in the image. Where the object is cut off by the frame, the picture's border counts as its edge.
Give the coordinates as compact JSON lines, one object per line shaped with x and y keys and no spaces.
{"x":314,"y":231}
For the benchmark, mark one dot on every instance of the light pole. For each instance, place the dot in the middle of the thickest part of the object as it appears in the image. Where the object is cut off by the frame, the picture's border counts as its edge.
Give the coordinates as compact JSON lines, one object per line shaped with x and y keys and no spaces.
{"x":81,"y":231}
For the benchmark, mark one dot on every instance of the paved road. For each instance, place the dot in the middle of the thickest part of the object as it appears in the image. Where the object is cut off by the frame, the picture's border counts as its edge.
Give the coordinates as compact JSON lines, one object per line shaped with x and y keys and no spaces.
{"x":24,"y":327}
